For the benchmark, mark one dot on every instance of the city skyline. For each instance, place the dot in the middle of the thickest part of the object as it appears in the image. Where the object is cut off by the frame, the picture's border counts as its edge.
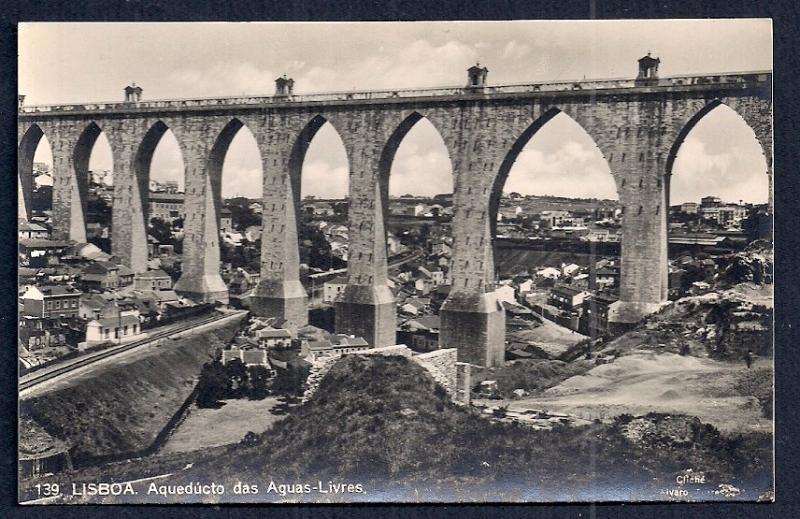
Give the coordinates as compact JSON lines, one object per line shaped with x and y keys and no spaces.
{"x":720,"y":155}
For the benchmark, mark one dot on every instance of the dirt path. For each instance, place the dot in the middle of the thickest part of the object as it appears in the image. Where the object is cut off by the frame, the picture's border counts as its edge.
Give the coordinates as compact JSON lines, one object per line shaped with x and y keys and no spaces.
{"x":551,"y":337}
{"x":656,"y":382}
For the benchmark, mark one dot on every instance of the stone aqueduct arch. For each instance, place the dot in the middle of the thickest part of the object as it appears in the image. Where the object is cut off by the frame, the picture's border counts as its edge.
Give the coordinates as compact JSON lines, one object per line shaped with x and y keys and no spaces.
{"x":638,"y":128}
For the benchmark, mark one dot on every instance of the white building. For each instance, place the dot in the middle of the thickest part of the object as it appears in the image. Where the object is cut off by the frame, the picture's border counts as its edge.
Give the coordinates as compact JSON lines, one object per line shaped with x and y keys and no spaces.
{"x":332,"y":289}
{"x":548,"y":272}
{"x":122,"y":328}
{"x":506,"y":293}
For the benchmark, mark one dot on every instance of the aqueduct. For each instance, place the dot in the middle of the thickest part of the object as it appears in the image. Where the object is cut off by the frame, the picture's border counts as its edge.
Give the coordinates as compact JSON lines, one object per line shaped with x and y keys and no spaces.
{"x":638,"y":124}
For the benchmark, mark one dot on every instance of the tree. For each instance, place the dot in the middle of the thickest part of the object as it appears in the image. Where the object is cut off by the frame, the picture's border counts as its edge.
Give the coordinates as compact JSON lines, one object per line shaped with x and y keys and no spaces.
{"x":237,"y":377}
{"x":424,"y":234}
{"x":161,"y":231}
{"x":242,"y":216}
{"x":290,"y":380}
{"x":340,"y":208}
{"x":213,"y":384}
{"x":258,"y":378}
{"x":98,"y":210}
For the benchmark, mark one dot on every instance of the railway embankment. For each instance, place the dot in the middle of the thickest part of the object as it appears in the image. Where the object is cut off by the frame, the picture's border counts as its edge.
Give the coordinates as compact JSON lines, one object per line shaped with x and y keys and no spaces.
{"x":123,"y":406}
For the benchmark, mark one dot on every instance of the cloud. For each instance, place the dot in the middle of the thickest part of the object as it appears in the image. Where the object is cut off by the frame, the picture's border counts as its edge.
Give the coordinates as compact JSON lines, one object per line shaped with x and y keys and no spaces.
{"x":572,"y":170}
{"x":417,"y":64}
{"x":321,"y":180}
{"x":515,"y":51}
{"x":232,"y":77}
{"x":167,"y":163}
{"x":733,"y":175}
{"x":242,"y":182}
{"x":425,"y":174}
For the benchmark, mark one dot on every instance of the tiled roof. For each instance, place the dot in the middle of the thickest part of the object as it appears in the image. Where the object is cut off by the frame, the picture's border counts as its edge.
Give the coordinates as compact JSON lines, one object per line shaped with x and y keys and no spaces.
{"x":431,"y":322}
{"x":124,"y":271}
{"x":152,"y":274}
{"x":42,"y":243}
{"x":567,"y":291}
{"x":255,"y":357}
{"x":273,"y":334}
{"x":113,"y":322}
{"x":58,"y":290}
{"x":338,"y":280}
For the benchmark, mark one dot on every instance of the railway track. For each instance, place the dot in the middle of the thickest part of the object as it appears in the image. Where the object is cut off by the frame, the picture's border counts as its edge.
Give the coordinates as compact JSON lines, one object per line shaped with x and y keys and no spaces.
{"x":34,"y":379}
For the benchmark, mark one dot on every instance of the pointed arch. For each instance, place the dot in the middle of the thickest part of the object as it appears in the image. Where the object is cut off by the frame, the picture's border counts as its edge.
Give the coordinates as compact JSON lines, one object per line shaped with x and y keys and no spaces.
{"x":143,"y":162}
{"x":216,"y":160}
{"x":81,"y":157}
{"x":302,"y":161}
{"x":243,"y":165}
{"x":153,"y":158}
{"x":298,"y":154}
{"x":394,"y":143}
{"x":510,"y":159}
{"x":691,"y":124}
{"x":516,"y":150}
{"x":83,"y":149}
{"x":26,"y":153}
{"x":673,"y":152}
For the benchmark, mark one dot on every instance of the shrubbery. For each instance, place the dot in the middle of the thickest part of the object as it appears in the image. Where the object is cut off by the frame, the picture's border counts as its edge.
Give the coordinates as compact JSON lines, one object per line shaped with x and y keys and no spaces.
{"x":381,"y":421}
{"x":233,"y":380}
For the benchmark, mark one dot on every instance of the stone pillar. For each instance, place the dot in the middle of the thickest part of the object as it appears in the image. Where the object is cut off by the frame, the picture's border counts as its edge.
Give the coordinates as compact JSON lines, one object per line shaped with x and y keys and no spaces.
{"x":129,"y":213}
{"x":764,"y":137}
{"x":200,"y":279}
{"x":463,"y":392}
{"x":756,"y":110}
{"x":70,"y":185}
{"x":367,"y":306}
{"x":643,"y":262}
{"x":280,"y":293}
{"x":23,"y":204}
{"x":771,"y":198}
{"x":472,"y":319}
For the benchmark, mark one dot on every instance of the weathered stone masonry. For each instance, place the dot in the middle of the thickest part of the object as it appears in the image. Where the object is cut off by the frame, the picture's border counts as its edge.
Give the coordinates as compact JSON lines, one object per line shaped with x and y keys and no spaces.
{"x":637,"y":127}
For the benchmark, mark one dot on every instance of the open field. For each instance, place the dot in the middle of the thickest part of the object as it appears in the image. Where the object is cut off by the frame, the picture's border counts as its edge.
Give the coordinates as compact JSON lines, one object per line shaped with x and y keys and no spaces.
{"x":204,"y":428}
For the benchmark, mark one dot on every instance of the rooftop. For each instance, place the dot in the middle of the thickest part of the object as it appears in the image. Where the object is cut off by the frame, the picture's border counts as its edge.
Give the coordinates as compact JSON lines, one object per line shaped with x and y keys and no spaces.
{"x":431,"y":322}
{"x":152,"y":274}
{"x":165,"y":197}
{"x":567,"y":291}
{"x":273,"y":334}
{"x":25,"y":225}
{"x":58,"y":290}
{"x":113,"y":322}
{"x":42,"y":243}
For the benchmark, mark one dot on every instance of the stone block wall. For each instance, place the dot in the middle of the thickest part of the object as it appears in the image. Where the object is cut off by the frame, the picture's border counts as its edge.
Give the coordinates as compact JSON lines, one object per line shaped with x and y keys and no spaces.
{"x":441,"y":364}
{"x":638,"y":131}
{"x":398,"y":349}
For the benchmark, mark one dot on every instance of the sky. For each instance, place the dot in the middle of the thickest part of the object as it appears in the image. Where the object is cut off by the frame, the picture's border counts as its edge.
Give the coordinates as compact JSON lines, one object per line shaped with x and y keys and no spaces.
{"x":80,"y":62}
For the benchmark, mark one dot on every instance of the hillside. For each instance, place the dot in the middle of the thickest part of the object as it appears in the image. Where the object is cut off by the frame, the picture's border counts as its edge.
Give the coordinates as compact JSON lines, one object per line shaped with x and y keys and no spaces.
{"x":513,"y":261}
{"x":382,"y":422}
{"x":121,"y":407}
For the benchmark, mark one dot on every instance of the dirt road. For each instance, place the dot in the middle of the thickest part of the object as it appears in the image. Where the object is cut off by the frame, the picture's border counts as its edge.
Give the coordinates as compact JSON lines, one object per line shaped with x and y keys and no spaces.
{"x":656,"y":382}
